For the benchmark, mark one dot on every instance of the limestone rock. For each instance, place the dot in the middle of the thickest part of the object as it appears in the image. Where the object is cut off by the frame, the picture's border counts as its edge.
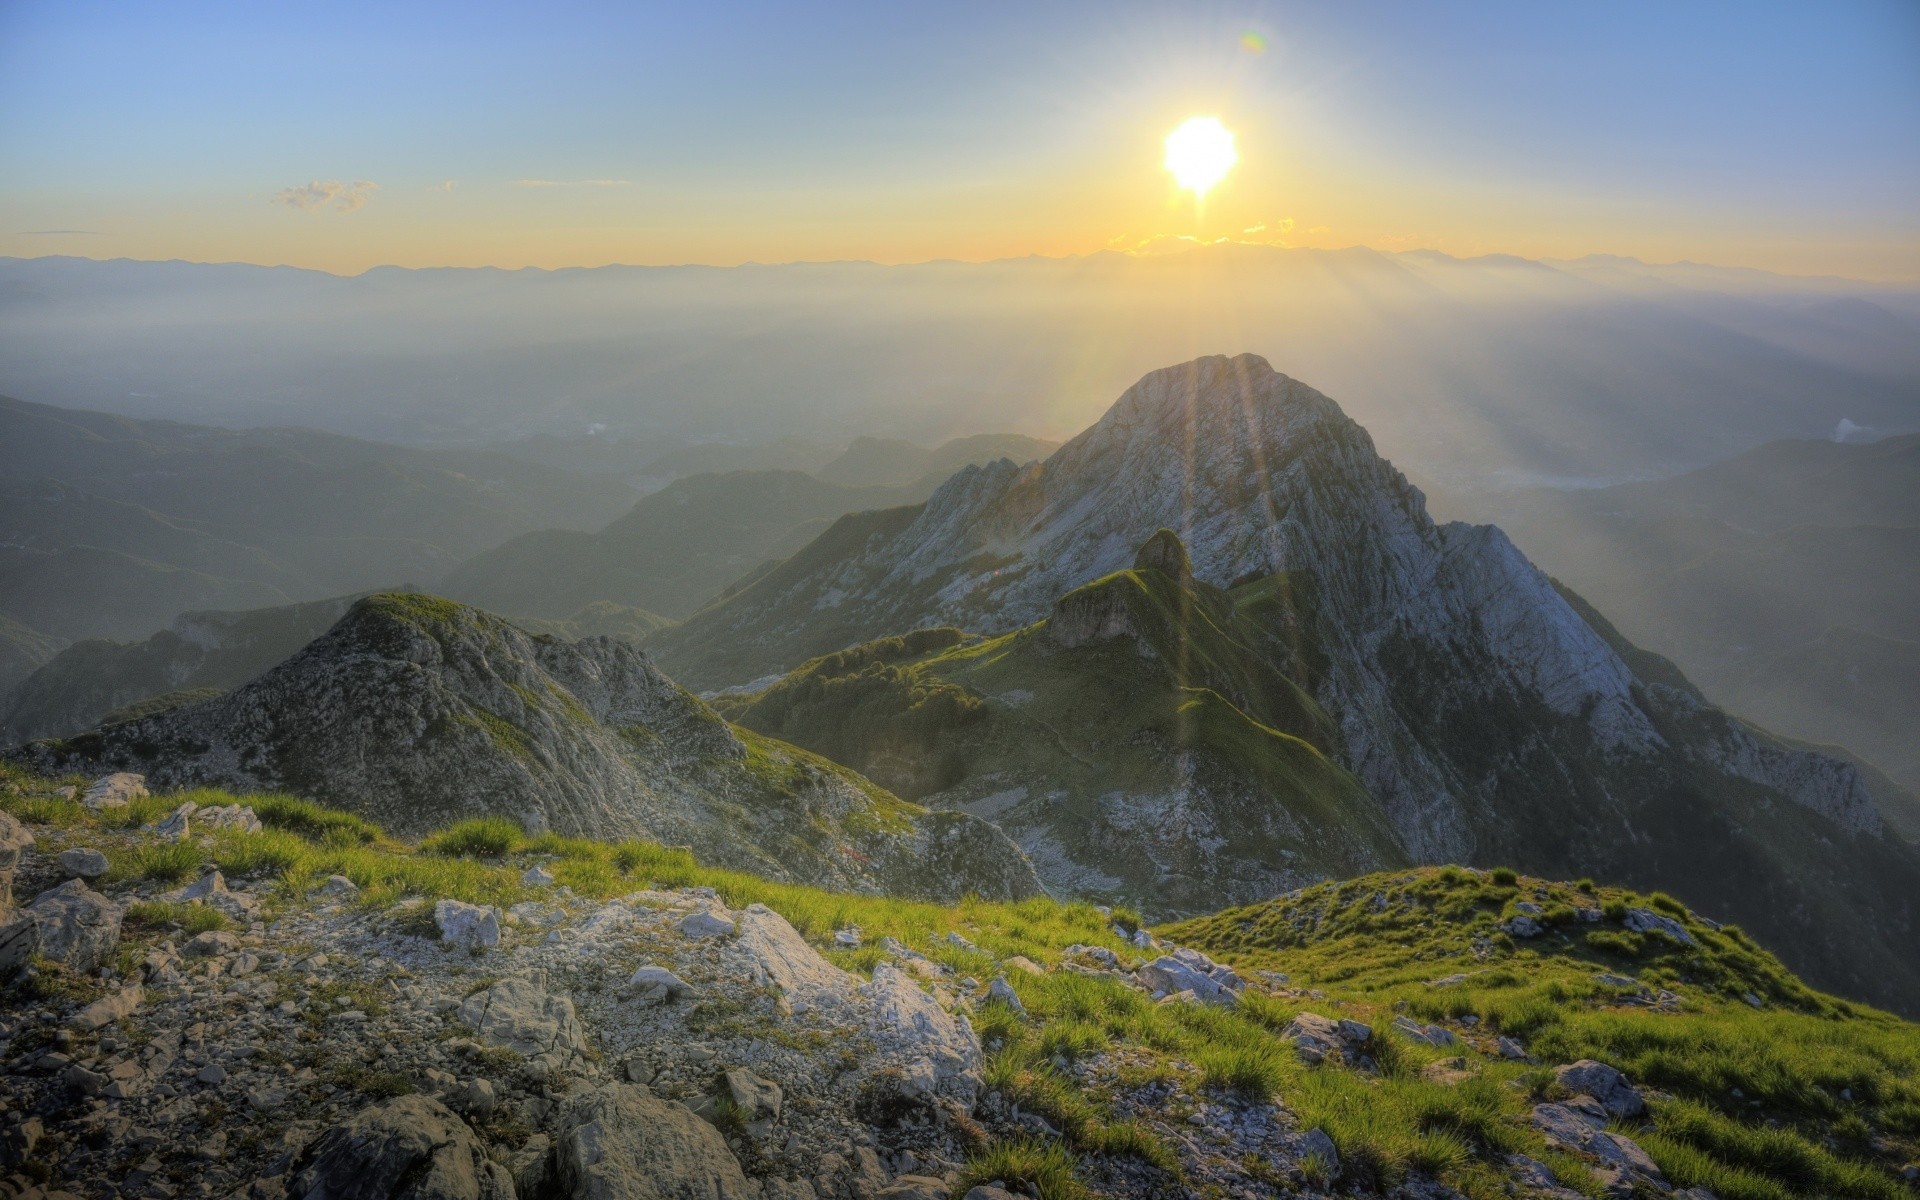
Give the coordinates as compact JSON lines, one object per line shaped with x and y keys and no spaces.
{"x":779,"y":957}
{"x":1604,"y":1084}
{"x":114,"y":791}
{"x":77,"y":926}
{"x":1645,"y":920}
{"x":706,"y":923}
{"x":652,"y":984}
{"x":1315,"y":1037}
{"x":617,"y":1142}
{"x":108,"y":1009}
{"x":14,"y":838}
{"x":84,"y":862}
{"x":468,"y":926}
{"x":757,"y":1098}
{"x":1191,"y":971}
{"x":521,"y":1014}
{"x":924,"y":1033}
{"x":410,"y":1148}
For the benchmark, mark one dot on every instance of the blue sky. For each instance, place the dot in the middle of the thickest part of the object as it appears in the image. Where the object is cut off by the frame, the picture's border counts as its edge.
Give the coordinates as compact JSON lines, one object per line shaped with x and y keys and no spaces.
{"x":1780,"y":135}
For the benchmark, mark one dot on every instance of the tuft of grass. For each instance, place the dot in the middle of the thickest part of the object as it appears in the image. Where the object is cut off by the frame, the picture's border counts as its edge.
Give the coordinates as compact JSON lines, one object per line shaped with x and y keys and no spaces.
{"x":1043,"y":1169}
{"x":1504,"y":877}
{"x":482,"y":837}
{"x":162,"y":862}
{"x":164,"y":914}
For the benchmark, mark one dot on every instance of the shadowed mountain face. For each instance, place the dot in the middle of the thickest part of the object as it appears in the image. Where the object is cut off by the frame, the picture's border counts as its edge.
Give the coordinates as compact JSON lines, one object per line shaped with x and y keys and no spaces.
{"x":151,"y":518}
{"x":1489,"y":715}
{"x":1782,"y":581}
{"x":200,"y":654}
{"x":419,"y":712}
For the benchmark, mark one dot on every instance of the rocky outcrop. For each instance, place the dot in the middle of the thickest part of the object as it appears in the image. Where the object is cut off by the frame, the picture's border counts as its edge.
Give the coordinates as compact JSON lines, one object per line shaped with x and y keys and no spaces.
{"x":419,"y":712}
{"x":410,"y":1148}
{"x":620,"y":1143}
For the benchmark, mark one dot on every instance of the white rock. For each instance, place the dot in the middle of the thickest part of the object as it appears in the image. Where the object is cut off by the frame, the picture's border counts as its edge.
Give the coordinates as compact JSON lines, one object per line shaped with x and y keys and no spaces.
{"x":84,"y":862}
{"x":114,"y":791}
{"x":468,"y":926}
{"x":705,"y":923}
{"x":913,"y":1024}
{"x":536,"y":876}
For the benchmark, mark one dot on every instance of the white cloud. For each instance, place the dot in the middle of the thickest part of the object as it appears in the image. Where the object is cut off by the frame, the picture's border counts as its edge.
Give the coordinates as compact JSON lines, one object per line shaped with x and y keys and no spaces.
{"x":541,"y":183}
{"x":328,"y":195}
{"x":445,"y":185}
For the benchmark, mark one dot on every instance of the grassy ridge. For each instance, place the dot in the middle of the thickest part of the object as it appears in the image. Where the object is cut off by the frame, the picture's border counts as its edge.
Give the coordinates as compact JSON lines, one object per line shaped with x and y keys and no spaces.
{"x":1806,"y":1096}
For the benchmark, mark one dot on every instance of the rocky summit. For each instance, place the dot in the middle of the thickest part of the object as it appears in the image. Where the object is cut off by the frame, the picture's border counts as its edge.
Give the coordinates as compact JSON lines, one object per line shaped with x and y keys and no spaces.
{"x":1488,"y":713}
{"x":419,"y":712}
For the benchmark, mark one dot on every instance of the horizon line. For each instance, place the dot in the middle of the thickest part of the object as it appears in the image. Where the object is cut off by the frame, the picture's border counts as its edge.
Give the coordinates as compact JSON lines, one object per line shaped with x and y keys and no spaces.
{"x":1198,"y":247}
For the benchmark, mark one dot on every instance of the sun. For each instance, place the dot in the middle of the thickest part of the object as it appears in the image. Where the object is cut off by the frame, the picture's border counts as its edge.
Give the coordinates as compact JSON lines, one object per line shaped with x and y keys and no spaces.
{"x":1200,"y":153}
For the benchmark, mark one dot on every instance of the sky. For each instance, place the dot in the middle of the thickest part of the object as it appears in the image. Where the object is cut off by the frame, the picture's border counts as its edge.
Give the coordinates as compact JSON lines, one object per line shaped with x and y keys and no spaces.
{"x":345,"y":136}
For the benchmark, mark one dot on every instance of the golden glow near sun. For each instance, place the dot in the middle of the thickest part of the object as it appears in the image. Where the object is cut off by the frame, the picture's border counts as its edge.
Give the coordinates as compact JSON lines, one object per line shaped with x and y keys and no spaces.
{"x":1200,"y":153}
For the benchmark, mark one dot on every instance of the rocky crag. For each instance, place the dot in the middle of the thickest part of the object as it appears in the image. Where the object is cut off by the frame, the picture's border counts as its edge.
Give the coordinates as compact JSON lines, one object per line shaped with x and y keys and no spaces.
{"x":1492,"y":715}
{"x":420,"y":712}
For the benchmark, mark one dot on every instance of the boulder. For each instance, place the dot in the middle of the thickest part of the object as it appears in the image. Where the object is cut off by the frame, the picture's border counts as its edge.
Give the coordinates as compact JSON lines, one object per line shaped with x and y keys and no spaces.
{"x":83,"y":862}
{"x":706,"y":923}
{"x":211,"y":943}
{"x":656,"y":985}
{"x":410,"y":1148}
{"x":1570,"y":1130}
{"x":757,"y":1098}
{"x":1432,"y":1035}
{"x":1524,"y":926}
{"x":520,"y":1014}
{"x":14,"y":839}
{"x":939,"y":1048}
{"x":1645,"y":920}
{"x":536,"y":876}
{"x":236,"y":817}
{"x":469,"y":926}
{"x":109,"y":1008}
{"x":19,"y":938}
{"x":617,"y":1142}
{"x":1604,"y":1084}
{"x":77,"y":926}
{"x":338,"y":887}
{"x":1191,"y":971}
{"x":1003,"y":991}
{"x":114,"y":791}
{"x":178,"y":826}
{"x":1315,"y":1037}
{"x":778,"y":957}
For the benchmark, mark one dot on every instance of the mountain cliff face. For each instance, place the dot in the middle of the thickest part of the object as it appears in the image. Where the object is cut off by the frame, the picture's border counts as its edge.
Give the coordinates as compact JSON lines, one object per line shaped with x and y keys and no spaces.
{"x":1490,"y":715}
{"x":420,"y":712}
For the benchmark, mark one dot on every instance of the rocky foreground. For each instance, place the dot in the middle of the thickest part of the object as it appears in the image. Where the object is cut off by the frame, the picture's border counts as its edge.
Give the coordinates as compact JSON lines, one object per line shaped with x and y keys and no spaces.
{"x":291,"y":1034}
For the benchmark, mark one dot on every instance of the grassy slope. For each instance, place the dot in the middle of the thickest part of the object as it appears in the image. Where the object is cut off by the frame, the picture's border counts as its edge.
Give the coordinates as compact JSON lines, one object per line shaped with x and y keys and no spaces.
{"x":1203,"y":698}
{"x":1791,"y":1131}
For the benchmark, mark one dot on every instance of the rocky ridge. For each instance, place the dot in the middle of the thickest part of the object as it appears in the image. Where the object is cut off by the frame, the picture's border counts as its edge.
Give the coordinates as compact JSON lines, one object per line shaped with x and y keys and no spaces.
{"x":419,"y":712}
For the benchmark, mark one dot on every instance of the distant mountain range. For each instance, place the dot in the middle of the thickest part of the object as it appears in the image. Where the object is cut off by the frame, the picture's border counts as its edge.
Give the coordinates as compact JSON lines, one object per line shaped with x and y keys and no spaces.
{"x":148,"y":519}
{"x":1783,"y":581}
{"x":679,"y":547}
{"x":1494,"y":371}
